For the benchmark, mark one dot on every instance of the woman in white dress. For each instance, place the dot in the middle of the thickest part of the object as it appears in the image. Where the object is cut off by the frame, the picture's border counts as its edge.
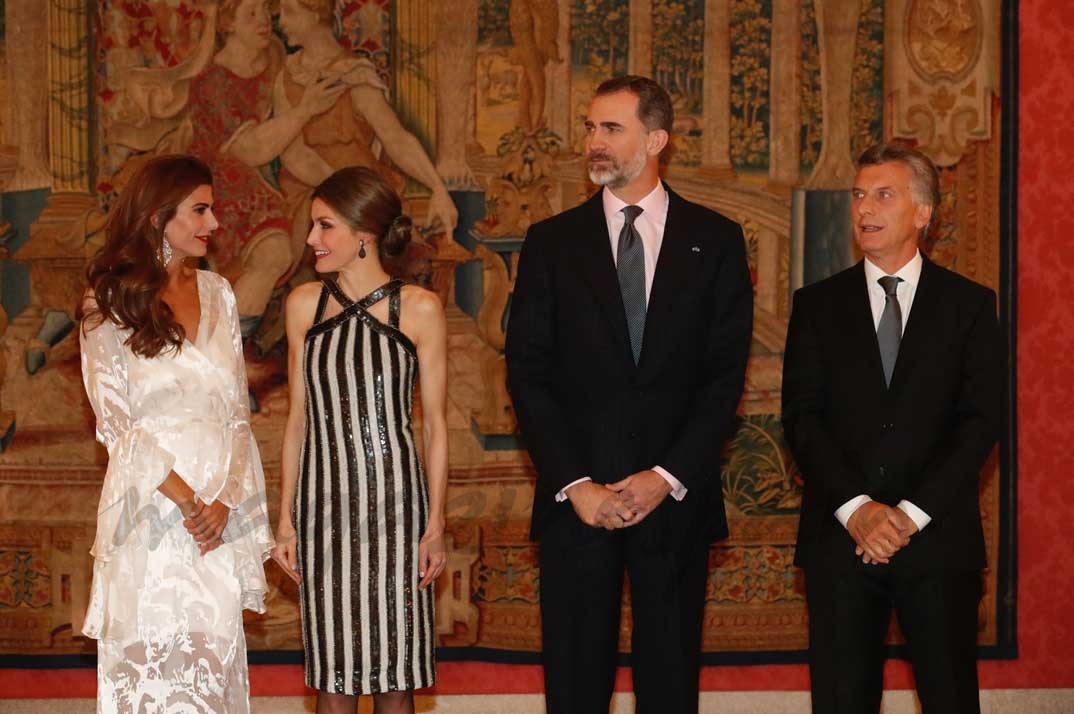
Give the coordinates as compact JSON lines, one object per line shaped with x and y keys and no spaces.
{"x":182,"y":527}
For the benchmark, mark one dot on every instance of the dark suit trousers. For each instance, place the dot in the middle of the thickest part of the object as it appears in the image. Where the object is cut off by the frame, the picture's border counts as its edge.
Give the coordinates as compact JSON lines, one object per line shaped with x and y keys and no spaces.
{"x":849,"y":613}
{"x":581,"y":588}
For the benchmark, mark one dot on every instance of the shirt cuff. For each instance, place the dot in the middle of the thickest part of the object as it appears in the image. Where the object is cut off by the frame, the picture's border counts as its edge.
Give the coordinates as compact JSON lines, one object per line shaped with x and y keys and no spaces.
{"x":562,"y":495}
{"x":678,"y":491}
{"x":919,"y":517}
{"x":845,"y":511}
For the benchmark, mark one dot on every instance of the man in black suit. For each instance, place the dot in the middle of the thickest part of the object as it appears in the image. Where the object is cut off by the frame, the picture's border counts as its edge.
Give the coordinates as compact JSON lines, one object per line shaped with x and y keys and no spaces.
{"x":626,"y":355}
{"x":892,"y":401}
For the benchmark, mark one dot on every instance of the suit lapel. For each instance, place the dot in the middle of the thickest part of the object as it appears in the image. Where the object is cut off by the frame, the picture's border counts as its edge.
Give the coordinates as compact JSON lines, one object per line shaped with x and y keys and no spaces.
{"x":860,"y":323}
{"x":669,"y":278}
{"x":595,"y":253}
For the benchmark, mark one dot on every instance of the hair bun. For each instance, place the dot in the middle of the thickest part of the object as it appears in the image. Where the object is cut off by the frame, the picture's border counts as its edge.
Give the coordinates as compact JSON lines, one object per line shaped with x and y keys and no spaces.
{"x":398,"y":236}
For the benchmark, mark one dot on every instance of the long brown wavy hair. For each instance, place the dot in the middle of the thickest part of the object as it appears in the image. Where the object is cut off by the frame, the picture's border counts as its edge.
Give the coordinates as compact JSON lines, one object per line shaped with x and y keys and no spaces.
{"x":127,"y":275}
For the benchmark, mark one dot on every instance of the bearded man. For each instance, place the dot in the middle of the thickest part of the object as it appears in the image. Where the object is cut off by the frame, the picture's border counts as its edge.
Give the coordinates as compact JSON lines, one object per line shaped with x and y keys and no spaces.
{"x":626,"y":354}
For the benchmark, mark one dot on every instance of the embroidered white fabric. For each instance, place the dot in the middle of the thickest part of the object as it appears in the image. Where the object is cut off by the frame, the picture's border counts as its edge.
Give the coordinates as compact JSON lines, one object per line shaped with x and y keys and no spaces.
{"x":168,"y":620}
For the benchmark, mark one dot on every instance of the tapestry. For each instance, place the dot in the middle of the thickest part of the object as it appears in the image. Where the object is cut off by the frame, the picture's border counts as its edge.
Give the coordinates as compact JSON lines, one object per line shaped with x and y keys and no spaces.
{"x":484,"y":99}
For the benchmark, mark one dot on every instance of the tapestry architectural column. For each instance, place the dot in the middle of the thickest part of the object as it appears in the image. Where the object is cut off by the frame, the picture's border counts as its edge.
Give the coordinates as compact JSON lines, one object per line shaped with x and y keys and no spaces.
{"x":716,"y":95}
{"x":26,"y":37}
{"x":57,"y":249}
{"x":456,"y":63}
{"x":768,"y":251}
{"x":69,"y":96}
{"x":784,"y":95}
{"x":837,"y":27}
{"x":414,"y":79}
{"x":558,"y":92}
{"x":640,"y":51}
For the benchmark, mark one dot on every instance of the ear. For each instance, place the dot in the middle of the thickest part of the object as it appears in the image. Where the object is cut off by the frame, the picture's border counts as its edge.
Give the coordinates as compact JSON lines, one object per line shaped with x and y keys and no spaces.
{"x":922,"y":215}
{"x":658,"y":139}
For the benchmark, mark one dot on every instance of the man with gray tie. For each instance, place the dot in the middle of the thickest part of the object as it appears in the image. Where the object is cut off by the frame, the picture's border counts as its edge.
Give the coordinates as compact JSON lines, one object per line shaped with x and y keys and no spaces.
{"x":626,"y":356}
{"x":892,"y":402}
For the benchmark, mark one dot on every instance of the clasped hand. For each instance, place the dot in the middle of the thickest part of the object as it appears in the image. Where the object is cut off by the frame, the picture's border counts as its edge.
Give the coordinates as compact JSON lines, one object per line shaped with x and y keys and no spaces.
{"x":621,"y":504}
{"x":206,"y":523}
{"x":880,"y":531}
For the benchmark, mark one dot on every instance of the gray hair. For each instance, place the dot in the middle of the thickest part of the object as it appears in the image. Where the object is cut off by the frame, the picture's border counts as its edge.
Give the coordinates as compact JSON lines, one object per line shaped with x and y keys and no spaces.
{"x":924,"y":178}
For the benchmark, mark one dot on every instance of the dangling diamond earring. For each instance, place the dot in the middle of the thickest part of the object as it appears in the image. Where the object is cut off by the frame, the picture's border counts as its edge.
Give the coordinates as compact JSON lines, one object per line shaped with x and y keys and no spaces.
{"x":165,"y":250}
{"x":361,"y":248}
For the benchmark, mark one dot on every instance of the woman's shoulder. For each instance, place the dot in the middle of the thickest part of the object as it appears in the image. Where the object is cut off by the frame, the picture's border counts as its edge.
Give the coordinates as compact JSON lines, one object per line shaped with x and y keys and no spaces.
{"x":218,"y":287}
{"x":216,"y":282}
{"x":304,"y":297}
{"x":422,"y":303}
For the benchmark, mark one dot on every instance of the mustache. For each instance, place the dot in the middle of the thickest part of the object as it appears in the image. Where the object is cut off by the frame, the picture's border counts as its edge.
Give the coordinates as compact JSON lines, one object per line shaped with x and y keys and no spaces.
{"x":598,"y":156}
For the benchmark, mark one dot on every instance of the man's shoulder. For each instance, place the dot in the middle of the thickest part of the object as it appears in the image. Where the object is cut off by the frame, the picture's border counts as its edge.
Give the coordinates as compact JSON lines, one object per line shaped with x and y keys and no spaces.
{"x":562,"y":228}
{"x":955,"y":284}
{"x":836,"y":284}
{"x":564,"y":220}
{"x":700,"y":214}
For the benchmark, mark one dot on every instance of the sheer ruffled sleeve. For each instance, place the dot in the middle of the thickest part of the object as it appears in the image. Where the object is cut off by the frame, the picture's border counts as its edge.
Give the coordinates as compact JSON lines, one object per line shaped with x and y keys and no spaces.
{"x":137,"y":464}
{"x":248,"y":528}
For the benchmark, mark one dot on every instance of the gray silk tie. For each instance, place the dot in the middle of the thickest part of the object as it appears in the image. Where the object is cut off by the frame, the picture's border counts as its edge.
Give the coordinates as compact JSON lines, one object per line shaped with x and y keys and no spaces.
{"x":889,"y":331}
{"x":630,"y":265}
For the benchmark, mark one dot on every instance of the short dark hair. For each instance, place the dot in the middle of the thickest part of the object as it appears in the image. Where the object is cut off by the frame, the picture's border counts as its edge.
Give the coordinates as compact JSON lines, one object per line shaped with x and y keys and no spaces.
{"x":654,"y":104}
{"x":924,"y":178}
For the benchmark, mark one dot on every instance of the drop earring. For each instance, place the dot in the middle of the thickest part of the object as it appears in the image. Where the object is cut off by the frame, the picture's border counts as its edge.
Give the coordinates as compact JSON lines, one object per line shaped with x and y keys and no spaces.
{"x":165,"y":250}
{"x":361,"y":248}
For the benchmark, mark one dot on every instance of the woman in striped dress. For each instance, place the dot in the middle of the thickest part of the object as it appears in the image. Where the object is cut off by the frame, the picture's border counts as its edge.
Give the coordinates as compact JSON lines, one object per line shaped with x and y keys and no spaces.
{"x":361,"y":519}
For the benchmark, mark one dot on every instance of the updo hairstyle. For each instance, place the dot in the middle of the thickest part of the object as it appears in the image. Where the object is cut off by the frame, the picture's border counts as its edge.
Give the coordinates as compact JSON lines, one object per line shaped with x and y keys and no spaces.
{"x":366,"y":203}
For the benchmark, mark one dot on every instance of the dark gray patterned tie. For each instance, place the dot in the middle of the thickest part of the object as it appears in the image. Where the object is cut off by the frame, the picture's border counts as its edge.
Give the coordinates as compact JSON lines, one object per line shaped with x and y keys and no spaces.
{"x":630,"y":265}
{"x":889,"y":331}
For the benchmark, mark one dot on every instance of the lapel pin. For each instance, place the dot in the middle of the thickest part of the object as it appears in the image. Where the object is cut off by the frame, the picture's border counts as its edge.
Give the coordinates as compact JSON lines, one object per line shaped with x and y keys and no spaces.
{"x":696,"y":249}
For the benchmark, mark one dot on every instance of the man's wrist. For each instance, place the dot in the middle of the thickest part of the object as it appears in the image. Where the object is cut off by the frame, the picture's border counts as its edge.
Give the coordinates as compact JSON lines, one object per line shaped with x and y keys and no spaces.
{"x":562,"y":495}
{"x":675,"y":487}
{"x":848,"y":509}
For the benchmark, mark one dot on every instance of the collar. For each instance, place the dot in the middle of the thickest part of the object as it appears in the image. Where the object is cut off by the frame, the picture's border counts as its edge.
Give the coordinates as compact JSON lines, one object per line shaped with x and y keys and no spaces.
{"x":910,"y":273}
{"x":654,"y":206}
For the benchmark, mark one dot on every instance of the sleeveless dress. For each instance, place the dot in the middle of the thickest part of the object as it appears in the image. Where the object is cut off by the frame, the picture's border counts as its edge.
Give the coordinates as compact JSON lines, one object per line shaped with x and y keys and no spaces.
{"x":361,"y":504}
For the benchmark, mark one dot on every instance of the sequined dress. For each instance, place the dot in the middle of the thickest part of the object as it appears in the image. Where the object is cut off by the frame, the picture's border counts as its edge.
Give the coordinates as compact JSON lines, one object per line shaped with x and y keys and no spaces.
{"x":361,"y":504}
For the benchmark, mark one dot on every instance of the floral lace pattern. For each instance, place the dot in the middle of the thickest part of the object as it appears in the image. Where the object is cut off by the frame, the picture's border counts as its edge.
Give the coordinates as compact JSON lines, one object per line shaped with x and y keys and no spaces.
{"x":168,"y":620}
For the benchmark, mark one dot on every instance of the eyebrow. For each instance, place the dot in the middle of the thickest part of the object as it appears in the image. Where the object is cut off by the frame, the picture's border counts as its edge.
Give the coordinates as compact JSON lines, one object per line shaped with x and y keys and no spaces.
{"x":605,"y":124}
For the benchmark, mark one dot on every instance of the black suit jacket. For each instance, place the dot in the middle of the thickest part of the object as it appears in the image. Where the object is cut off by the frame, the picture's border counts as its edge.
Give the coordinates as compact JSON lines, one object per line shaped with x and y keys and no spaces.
{"x":924,"y":439}
{"x":584,"y":407}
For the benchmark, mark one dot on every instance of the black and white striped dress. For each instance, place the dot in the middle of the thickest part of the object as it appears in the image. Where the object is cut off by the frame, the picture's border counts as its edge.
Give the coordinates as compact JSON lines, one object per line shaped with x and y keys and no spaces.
{"x":361,"y":505}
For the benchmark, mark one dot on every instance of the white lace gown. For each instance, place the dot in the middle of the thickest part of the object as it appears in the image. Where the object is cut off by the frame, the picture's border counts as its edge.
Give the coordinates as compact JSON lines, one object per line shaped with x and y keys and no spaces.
{"x":169,"y":621}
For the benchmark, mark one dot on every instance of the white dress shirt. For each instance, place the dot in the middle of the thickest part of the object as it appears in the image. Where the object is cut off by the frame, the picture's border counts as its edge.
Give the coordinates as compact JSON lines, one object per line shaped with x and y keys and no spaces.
{"x":650,"y":226}
{"x":904,"y":293}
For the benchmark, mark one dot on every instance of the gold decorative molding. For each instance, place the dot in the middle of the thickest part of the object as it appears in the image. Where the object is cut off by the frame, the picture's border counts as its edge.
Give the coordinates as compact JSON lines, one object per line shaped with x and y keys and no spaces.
{"x":942,"y":59}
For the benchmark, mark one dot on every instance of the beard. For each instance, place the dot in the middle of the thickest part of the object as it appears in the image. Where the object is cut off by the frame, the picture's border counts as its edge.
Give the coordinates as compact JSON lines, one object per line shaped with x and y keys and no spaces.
{"x":617,"y":174}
